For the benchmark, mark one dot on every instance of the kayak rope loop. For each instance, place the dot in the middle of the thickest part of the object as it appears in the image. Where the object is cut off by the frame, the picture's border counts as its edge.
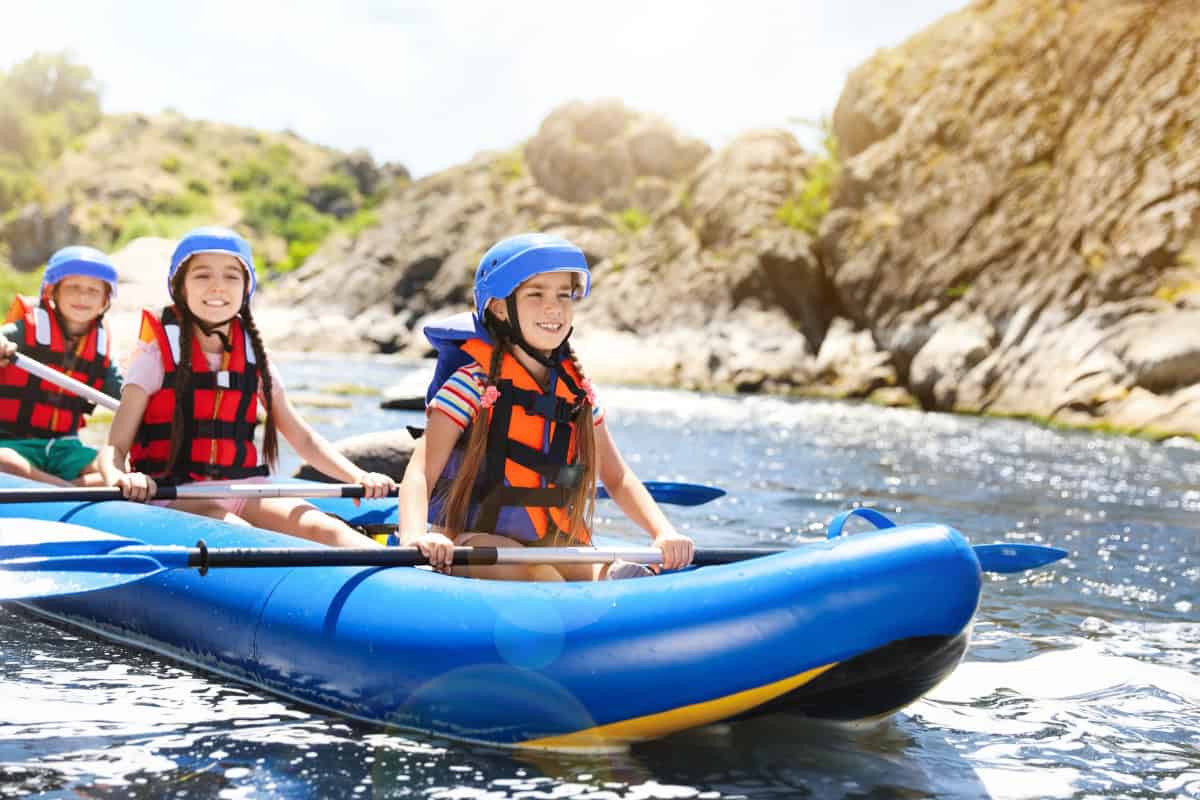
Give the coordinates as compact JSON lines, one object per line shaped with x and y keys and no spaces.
{"x":203,"y":548}
{"x":869,"y":514}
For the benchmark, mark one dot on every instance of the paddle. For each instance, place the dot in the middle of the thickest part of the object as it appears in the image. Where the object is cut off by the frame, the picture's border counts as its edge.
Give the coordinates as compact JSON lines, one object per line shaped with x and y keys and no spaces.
{"x":52,"y":558}
{"x":64,"y":381}
{"x":682,"y":494}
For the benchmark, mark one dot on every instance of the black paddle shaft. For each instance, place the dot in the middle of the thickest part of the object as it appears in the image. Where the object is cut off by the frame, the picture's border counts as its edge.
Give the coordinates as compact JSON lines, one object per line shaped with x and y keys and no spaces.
{"x":205,"y":557}
{"x":73,"y":494}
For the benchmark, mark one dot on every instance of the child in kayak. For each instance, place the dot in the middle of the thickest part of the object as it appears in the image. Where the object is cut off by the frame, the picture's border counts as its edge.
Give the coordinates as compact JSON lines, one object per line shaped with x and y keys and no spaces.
{"x":190,"y":403}
{"x":525,"y":473}
{"x":64,"y":329}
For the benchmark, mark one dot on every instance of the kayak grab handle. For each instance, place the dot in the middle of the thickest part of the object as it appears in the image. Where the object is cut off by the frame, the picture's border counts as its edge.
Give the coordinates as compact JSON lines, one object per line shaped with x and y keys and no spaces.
{"x":869,"y":514}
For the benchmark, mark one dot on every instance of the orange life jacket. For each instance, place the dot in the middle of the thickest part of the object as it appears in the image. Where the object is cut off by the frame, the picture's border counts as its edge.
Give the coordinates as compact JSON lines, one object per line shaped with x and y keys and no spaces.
{"x":220,"y":411}
{"x":529,"y":473}
{"x":31,"y":408}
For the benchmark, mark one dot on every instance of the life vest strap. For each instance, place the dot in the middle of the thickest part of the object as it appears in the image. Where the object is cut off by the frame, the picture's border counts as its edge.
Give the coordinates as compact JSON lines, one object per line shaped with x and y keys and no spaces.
{"x":547,"y":406}
{"x":245,"y":382}
{"x":200,"y":429}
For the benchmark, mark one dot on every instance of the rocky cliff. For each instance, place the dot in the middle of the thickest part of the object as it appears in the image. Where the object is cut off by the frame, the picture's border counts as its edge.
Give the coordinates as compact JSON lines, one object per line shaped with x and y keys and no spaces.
{"x":1014,"y":230}
{"x":1018,"y":222}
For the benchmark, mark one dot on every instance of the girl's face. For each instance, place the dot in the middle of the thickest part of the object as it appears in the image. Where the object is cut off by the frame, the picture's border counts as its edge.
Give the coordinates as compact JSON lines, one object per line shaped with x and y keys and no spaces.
{"x":80,"y":300}
{"x":214,"y":285}
{"x":545,"y":308}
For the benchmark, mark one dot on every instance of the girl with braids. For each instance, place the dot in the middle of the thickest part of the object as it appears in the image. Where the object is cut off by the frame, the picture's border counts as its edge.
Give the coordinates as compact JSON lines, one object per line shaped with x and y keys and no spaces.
{"x":535,"y":442}
{"x":189,"y":407}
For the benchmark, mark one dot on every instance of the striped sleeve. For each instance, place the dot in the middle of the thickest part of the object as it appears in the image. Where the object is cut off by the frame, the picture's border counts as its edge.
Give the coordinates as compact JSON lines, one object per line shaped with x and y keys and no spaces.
{"x":459,"y":396}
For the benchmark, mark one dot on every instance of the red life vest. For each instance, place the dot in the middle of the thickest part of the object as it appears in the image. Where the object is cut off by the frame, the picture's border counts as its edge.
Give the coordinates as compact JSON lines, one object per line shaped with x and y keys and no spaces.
{"x":31,"y":408}
{"x":525,"y":485}
{"x":220,"y":412}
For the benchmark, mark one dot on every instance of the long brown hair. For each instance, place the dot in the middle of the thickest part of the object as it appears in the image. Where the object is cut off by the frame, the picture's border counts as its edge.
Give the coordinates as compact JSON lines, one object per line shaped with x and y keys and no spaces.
{"x":183,"y":371}
{"x":582,"y":504}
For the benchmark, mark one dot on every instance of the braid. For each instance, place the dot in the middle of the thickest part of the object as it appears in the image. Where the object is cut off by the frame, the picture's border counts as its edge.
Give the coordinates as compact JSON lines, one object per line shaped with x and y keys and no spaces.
{"x":583,"y":501}
{"x":183,"y":382}
{"x":270,"y":434}
{"x":458,"y":496}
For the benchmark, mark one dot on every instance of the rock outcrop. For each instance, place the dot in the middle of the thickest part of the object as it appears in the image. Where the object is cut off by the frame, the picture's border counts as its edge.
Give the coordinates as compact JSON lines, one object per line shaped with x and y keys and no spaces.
{"x":1015,"y":230}
{"x":699,"y":283}
{"x":1019,"y":218}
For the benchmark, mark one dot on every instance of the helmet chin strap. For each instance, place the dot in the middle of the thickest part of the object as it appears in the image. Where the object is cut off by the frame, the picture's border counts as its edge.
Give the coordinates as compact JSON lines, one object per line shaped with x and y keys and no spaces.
{"x":213,"y":329}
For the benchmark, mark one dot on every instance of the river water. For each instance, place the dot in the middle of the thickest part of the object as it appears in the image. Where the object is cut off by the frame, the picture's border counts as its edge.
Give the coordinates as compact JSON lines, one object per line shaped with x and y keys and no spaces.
{"x":1082,"y":680}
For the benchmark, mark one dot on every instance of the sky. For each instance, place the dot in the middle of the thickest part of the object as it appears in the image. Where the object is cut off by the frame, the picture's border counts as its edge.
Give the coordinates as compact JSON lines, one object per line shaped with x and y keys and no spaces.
{"x":428,"y":85}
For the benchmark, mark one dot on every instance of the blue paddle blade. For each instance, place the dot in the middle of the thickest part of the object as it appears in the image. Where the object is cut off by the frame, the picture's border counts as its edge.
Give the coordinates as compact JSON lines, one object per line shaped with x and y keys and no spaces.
{"x":31,"y":578}
{"x":1016,"y":557}
{"x":676,"y":494}
{"x":43,"y":538}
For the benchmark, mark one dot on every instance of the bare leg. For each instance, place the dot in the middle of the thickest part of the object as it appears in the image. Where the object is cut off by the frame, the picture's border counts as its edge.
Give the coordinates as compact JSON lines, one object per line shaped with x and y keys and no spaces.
{"x":208,"y":508}
{"x":507,"y":572}
{"x":299,"y":518}
{"x":14,"y":463}
{"x":89,"y":476}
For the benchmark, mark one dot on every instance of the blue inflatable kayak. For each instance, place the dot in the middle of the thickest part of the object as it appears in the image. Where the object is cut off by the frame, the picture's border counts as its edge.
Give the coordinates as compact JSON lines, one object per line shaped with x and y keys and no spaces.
{"x":848,"y":629}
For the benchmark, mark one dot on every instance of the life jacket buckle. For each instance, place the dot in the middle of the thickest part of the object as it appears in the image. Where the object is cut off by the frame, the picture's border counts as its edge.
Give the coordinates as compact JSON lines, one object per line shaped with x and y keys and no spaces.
{"x":569,"y":476}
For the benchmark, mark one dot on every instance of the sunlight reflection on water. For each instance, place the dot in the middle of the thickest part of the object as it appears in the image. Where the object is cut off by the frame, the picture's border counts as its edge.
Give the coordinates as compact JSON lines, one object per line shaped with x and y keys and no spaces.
{"x":1081,"y":679}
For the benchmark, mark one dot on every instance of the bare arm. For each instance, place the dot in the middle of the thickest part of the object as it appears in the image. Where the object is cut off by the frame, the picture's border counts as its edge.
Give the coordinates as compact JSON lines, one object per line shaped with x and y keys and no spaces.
{"x":631,"y":496}
{"x":115,"y":453}
{"x":424,"y":468}
{"x":317,"y":450}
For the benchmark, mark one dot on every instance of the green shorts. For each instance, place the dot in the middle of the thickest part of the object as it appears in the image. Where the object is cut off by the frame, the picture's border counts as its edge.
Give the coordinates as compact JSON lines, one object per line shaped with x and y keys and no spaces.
{"x":64,"y":456}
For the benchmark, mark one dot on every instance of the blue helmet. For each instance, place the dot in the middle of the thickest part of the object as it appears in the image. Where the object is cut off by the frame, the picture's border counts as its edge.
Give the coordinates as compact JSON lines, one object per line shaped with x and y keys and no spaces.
{"x":87,"y":262}
{"x":512,"y":261}
{"x":213,"y":239}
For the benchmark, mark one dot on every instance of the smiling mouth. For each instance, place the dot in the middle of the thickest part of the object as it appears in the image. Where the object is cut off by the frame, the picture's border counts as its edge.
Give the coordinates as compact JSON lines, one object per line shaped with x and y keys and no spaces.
{"x":552,"y":327}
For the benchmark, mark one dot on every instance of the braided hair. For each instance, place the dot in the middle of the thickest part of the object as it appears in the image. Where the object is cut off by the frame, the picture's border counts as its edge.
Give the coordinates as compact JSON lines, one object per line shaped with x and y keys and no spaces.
{"x":457,"y":501}
{"x":183,"y":372}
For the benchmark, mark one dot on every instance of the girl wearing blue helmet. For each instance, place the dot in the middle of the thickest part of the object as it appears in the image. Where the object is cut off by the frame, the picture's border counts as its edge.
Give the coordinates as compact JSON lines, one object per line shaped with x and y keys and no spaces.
{"x":190,"y":404}
{"x":64,"y":329}
{"x":525,"y":472}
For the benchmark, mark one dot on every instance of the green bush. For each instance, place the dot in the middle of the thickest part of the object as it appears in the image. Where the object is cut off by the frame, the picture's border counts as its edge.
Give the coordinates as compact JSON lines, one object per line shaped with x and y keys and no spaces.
{"x":49,"y":82}
{"x":249,"y":175}
{"x":140,"y":222}
{"x":361,"y":220}
{"x":178,"y":205}
{"x":46,"y":103}
{"x":197,"y":186}
{"x":170,"y":164}
{"x":632,"y":220}
{"x":806,"y":208}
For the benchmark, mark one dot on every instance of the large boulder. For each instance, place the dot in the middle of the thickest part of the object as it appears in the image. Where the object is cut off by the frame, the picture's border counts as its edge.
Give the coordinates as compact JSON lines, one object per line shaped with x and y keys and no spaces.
{"x":1019,"y":219}
{"x":384,"y":451}
{"x":595,"y":152}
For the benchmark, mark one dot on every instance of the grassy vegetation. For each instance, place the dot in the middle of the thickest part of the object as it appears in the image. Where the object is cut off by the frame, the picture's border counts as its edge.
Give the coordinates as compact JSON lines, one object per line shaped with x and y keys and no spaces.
{"x":631,"y":220}
{"x":805,"y":209}
{"x":286,"y":195}
{"x":46,"y":103}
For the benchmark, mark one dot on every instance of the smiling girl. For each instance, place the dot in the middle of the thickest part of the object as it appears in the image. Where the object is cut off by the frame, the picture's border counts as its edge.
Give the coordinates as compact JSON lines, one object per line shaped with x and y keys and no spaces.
{"x":515,"y":442}
{"x":190,"y":404}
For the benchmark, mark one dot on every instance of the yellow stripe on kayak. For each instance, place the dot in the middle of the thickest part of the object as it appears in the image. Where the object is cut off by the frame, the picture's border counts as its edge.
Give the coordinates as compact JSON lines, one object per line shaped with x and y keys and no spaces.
{"x":652,"y":726}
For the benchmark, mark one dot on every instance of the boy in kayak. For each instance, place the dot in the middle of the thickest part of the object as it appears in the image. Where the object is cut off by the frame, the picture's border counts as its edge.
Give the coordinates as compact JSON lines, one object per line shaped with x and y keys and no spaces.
{"x":64,"y":329}
{"x":190,"y":403}
{"x":525,"y":472}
